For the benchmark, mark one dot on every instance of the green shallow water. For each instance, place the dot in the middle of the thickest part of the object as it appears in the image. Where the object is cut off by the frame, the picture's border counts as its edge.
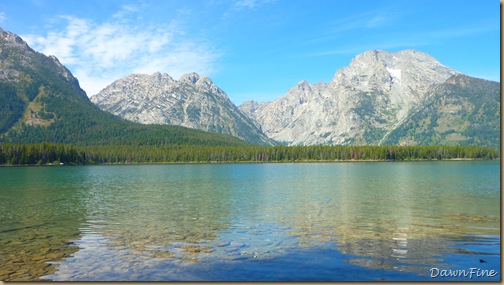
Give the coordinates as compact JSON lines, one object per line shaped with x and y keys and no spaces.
{"x":248,"y":222}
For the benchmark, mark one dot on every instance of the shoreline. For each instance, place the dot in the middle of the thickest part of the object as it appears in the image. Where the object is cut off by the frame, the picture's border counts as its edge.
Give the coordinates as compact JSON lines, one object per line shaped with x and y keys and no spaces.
{"x":251,"y":162}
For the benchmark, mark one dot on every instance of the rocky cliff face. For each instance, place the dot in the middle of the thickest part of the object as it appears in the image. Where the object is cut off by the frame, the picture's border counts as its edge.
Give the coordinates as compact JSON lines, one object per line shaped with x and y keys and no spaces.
{"x":363,"y":103}
{"x":193,"y":101}
{"x":289,"y":118}
{"x":16,"y":55}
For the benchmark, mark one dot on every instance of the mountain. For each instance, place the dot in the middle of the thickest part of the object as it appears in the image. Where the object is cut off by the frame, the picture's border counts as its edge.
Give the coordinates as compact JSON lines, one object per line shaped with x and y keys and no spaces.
{"x":41,"y":101}
{"x":193,"y":102}
{"x":377,"y":99}
{"x":289,"y":118}
{"x":406,"y":97}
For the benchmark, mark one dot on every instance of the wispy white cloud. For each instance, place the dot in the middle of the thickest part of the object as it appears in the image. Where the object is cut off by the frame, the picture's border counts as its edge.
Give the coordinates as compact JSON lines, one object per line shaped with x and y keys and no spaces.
{"x":376,"y":21}
{"x":353,"y":25}
{"x":355,"y":49}
{"x":457,"y":32}
{"x":3,"y":17}
{"x":99,"y":53}
{"x":244,"y":4}
{"x":396,"y":40}
{"x":125,"y":10}
{"x":241,"y":5}
{"x":368,"y":20}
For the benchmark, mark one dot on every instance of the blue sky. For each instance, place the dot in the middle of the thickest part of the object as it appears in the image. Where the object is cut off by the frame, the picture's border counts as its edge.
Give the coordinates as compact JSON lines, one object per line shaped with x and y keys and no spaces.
{"x":252,"y":49}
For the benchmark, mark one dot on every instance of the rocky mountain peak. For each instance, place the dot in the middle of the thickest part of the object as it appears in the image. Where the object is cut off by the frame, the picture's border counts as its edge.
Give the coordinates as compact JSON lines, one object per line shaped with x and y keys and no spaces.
{"x":200,"y":81}
{"x":391,"y":58}
{"x":303,"y":86}
{"x":191,"y":77}
{"x":381,"y":69}
{"x":303,"y":83}
{"x":321,"y":85}
{"x":193,"y":101}
{"x":19,"y":56}
{"x":362,"y":103}
{"x":160,"y":76}
{"x":302,"y":90}
{"x":204,"y":82}
{"x":12,"y":39}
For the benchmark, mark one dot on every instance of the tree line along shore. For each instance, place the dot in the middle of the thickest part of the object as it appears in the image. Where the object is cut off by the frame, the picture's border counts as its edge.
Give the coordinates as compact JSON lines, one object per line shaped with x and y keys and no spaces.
{"x":50,"y":153}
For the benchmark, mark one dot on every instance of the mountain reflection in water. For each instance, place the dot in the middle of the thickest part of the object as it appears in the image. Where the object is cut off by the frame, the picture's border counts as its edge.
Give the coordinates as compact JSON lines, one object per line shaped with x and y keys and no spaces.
{"x":265,"y":222}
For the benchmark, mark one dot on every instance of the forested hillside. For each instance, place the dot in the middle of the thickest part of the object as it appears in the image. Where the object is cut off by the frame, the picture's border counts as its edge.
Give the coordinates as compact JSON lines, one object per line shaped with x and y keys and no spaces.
{"x":463,"y":110}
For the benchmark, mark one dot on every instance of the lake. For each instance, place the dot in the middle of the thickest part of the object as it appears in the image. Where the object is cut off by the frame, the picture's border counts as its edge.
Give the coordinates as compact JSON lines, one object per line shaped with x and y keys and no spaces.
{"x":346,"y":221}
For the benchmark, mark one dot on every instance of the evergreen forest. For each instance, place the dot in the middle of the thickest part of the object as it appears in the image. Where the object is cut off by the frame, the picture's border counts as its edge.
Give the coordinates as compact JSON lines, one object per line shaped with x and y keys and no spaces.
{"x":56,"y":154}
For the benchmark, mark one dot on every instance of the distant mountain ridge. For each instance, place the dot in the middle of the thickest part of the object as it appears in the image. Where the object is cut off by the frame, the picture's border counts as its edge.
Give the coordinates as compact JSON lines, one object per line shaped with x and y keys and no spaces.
{"x":370,"y":100}
{"x":193,"y":102}
{"x":41,"y":101}
{"x":404,"y":97}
